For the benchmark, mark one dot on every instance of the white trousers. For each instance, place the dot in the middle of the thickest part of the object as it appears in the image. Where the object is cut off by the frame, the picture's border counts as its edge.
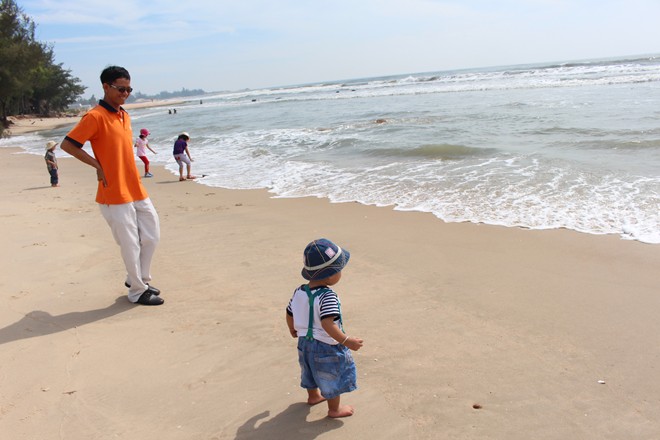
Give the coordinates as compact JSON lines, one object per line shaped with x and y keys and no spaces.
{"x":136,"y":229}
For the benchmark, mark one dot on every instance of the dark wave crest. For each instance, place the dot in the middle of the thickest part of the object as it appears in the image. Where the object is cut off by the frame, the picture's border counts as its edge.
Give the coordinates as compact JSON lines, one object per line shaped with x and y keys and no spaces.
{"x":435,"y":151}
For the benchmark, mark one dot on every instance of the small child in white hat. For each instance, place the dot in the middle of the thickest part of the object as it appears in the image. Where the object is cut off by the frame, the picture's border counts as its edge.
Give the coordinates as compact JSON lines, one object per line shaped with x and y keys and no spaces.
{"x":51,"y":163}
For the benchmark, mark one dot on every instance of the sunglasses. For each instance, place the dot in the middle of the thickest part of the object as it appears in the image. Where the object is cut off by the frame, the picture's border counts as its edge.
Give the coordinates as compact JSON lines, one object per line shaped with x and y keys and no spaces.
{"x":121,"y":89}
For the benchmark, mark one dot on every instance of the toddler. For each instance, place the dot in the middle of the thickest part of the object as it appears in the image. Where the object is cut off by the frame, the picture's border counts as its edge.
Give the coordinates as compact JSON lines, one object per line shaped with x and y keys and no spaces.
{"x":314,"y":317}
{"x":51,"y":163}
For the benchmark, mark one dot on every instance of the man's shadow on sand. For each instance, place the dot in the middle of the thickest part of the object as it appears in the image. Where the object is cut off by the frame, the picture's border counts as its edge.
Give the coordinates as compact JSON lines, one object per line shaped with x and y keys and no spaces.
{"x":289,"y":424}
{"x":39,"y":323}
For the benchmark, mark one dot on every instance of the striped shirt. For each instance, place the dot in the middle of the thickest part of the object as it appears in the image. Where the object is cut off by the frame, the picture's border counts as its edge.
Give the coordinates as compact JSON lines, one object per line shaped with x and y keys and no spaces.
{"x":326,"y":305}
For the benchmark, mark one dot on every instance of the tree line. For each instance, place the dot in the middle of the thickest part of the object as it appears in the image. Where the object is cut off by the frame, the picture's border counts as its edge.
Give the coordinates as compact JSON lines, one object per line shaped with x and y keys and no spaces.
{"x":31,"y":82}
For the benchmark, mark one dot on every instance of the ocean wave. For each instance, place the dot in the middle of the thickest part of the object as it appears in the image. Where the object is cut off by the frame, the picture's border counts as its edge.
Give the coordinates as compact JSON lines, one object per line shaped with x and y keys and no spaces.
{"x":433,"y":152}
{"x":582,"y":75}
{"x":622,"y":70}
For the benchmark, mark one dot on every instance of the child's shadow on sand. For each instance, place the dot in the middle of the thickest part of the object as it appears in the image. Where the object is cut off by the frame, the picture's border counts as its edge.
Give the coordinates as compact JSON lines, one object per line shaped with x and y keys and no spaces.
{"x":39,"y":323}
{"x":38,"y":187}
{"x":289,"y":424}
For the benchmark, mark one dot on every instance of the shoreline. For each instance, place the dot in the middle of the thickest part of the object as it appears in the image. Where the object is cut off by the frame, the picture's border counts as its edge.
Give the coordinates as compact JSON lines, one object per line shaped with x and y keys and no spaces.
{"x":471,"y":331}
{"x":38,"y":124}
{"x":521,"y":228}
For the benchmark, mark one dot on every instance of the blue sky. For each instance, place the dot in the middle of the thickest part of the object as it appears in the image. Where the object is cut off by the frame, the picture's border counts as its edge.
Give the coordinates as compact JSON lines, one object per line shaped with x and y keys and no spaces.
{"x":229,"y":45}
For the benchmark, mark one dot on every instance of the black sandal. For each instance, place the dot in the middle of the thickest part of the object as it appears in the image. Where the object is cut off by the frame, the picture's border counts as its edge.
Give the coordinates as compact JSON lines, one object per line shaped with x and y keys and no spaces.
{"x":149,"y":299}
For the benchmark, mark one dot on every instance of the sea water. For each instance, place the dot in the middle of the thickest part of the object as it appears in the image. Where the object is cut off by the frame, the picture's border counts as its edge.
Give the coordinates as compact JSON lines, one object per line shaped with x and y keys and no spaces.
{"x":556,"y":145}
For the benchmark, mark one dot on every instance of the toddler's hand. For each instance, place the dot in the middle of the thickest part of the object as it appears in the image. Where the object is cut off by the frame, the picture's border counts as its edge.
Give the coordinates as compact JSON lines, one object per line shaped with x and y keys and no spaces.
{"x":354,"y":343}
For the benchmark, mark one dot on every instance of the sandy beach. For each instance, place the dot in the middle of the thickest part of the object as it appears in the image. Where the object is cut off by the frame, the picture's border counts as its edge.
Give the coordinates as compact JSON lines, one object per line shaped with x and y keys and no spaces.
{"x":27,"y":124}
{"x":471,"y":331}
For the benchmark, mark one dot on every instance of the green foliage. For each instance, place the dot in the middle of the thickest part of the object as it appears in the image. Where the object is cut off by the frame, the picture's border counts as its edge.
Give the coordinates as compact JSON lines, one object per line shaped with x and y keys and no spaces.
{"x":30,"y":80}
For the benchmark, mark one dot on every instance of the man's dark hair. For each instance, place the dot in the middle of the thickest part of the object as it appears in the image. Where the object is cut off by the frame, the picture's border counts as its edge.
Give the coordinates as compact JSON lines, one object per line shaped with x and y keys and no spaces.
{"x":111,"y":73}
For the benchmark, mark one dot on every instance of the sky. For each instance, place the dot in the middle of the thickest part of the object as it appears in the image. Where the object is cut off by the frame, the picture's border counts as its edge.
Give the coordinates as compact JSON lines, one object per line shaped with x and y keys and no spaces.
{"x":219,"y":45}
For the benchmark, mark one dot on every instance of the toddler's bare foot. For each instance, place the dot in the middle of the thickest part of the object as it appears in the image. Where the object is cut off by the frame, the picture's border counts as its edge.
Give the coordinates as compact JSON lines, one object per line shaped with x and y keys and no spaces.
{"x":342,"y":411}
{"x":314,"y":396}
{"x":313,"y":400}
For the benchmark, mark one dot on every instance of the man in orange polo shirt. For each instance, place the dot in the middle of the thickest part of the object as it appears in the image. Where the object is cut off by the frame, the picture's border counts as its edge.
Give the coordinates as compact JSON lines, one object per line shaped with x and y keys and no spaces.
{"x":123,"y":200}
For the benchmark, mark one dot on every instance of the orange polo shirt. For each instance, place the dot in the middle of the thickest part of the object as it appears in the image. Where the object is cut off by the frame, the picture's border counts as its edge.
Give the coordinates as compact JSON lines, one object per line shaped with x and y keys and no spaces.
{"x":110,"y":133}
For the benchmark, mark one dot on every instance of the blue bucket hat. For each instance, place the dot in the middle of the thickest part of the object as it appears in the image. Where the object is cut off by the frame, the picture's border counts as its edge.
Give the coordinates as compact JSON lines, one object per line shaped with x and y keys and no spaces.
{"x":323,"y":259}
